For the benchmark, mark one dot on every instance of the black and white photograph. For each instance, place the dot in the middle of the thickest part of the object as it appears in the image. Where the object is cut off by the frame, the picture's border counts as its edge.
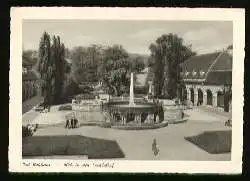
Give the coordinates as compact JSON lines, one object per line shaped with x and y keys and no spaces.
{"x":128,"y":89}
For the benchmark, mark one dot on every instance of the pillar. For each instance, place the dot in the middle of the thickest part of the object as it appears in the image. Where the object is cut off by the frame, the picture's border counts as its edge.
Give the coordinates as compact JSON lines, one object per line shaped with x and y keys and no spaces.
{"x":188,"y":95}
{"x":157,"y":119}
{"x":139,"y":118}
{"x":204,"y":97}
{"x":215,"y":99}
{"x":195,"y":97}
{"x":150,"y":118}
{"x":122,"y":119}
{"x":150,"y":88}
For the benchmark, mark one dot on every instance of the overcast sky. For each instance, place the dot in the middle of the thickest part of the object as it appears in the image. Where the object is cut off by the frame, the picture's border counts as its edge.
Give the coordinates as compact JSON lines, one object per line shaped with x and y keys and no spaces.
{"x":135,"y":36}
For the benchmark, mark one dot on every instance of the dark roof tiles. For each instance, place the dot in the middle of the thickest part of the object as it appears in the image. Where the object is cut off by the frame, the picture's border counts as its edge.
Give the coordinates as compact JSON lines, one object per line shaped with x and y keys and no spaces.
{"x":219,"y":77}
{"x":215,"y":68}
{"x":200,"y":62}
{"x":223,"y":63}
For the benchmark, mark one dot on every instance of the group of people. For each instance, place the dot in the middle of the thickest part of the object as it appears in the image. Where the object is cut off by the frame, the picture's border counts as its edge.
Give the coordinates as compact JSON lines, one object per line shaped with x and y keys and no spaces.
{"x":72,"y":123}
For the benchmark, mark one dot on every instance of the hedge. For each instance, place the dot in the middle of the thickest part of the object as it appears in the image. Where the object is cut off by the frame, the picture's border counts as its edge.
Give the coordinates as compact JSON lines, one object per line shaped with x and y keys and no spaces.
{"x":26,"y":132}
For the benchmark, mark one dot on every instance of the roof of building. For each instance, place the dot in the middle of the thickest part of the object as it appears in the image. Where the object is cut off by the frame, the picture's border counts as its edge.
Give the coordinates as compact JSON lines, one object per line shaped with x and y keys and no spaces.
{"x":225,"y":62}
{"x":200,"y":62}
{"x":212,"y":68}
{"x":30,"y":75}
{"x":219,"y":77}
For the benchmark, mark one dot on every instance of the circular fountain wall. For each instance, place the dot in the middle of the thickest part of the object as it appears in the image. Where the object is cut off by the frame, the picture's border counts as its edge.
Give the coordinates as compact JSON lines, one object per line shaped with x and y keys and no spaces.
{"x":141,"y":115}
{"x":135,"y":114}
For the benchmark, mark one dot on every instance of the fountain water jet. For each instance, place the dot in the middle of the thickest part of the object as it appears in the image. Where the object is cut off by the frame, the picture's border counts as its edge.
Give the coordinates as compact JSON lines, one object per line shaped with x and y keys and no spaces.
{"x":131,"y":92}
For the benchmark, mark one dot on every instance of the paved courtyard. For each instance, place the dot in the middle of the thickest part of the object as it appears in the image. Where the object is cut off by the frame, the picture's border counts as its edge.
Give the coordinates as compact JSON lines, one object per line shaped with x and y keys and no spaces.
{"x":137,"y":145}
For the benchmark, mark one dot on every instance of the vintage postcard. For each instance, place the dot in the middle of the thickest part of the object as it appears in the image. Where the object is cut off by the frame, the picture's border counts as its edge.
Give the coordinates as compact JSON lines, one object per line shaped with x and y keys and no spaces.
{"x":156,"y":90}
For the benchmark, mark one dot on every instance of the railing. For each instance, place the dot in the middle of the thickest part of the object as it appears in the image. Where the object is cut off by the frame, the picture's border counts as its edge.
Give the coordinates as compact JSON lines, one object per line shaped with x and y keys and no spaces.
{"x":124,"y":99}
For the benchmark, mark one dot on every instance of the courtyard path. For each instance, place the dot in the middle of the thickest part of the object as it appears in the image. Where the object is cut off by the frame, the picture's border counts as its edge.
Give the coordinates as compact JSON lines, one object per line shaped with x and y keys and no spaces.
{"x":137,"y":145}
{"x":29,"y":104}
{"x":29,"y":117}
{"x":198,"y":114}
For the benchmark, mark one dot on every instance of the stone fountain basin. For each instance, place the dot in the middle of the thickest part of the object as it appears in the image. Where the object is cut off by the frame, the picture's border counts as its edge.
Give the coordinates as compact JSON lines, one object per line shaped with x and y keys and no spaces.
{"x":123,"y":106}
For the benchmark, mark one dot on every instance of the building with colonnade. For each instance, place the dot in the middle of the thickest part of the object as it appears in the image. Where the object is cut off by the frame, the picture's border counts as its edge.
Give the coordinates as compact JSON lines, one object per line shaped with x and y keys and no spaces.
{"x":207,"y":80}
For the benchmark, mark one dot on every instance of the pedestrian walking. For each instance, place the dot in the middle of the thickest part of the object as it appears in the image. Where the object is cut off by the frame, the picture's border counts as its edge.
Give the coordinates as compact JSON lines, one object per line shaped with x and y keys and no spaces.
{"x":155,"y":148}
{"x":67,"y":125}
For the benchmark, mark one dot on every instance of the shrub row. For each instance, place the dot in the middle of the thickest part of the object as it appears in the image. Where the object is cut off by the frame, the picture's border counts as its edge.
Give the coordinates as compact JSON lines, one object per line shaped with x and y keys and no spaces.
{"x":29,"y":130}
{"x":26,"y":132}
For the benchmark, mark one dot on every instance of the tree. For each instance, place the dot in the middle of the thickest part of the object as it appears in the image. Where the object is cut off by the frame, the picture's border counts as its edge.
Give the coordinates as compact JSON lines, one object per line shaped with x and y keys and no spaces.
{"x":51,"y":66}
{"x":166,"y":55}
{"x":110,"y":65}
{"x":116,"y":68}
{"x":139,"y":64}
{"x":29,"y":57}
{"x":58,"y":63}
{"x":45,"y":68}
{"x":85,"y":62}
{"x":229,"y":47}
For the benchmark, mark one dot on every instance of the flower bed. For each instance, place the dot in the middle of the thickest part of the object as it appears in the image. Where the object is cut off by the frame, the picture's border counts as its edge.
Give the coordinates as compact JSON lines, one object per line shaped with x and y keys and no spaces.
{"x":213,"y":142}
{"x":60,"y":145}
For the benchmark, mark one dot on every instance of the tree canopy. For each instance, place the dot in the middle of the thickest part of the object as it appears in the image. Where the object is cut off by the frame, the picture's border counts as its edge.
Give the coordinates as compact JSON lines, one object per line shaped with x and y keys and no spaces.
{"x":110,"y":65}
{"x":51,"y":66}
{"x":84,"y":63}
{"x":116,"y":67}
{"x":167,"y":53}
{"x":29,"y":57}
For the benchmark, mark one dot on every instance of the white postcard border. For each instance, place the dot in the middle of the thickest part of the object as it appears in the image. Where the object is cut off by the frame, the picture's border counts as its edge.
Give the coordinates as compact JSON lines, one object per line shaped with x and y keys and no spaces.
{"x":17,"y":164}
